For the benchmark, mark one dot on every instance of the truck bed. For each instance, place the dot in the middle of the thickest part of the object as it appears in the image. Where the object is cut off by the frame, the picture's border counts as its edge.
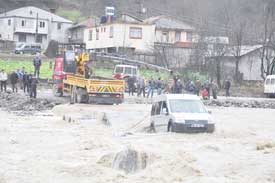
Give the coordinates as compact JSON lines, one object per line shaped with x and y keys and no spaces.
{"x":96,"y":84}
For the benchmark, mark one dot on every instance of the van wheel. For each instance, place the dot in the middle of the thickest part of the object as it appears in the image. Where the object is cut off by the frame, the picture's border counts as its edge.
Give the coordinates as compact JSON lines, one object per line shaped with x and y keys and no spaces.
{"x":170,"y":127}
{"x":152,"y":127}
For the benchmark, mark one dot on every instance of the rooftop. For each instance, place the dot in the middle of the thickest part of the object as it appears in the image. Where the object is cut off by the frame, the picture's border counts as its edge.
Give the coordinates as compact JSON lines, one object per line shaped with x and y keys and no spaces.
{"x":31,"y":12}
{"x":166,"y":22}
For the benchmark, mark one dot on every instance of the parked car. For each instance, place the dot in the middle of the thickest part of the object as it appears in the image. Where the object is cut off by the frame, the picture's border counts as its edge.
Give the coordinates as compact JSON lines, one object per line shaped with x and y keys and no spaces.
{"x":269,"y":86}
{"x":26,"y":48}
{"x":180,"y":113}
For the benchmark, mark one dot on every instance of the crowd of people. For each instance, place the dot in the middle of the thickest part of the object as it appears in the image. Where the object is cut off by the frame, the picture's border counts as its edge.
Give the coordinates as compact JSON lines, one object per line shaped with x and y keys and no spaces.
{"x":20,"y":79}
{"x":175,"y":85}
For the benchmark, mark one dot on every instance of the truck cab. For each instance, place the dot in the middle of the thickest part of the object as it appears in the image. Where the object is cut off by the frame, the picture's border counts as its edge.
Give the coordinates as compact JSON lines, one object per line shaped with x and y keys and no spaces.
{"x":125,"y":71}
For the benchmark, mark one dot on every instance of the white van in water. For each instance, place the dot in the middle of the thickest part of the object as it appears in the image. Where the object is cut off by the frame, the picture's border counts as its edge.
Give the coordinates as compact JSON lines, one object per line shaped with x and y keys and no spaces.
{"x":180,"y":113}
{"x":269,"y":86}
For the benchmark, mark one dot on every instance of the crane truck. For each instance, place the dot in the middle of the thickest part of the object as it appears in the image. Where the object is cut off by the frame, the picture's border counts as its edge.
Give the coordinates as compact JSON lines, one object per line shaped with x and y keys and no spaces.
{"x":73,"y":75}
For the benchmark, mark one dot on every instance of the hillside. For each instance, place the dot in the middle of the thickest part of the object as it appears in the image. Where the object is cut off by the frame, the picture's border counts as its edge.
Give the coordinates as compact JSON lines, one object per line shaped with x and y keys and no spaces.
{"x":218,"y":15}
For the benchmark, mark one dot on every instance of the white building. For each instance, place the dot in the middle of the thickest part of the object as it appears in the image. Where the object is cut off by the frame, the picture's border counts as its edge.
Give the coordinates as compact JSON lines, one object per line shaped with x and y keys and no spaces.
{"x":126,"y":33}
{"x":137,"y":35}
{"x":31,"y":24}
{"x":172,"y":31}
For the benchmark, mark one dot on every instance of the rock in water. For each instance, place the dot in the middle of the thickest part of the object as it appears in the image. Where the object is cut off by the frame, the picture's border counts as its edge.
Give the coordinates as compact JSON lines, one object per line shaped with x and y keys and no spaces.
{"x":130,"y":161}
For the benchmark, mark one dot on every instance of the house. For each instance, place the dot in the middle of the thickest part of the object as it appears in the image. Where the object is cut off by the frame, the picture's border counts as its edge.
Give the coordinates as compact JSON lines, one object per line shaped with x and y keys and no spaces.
{"x":249,"y":63}
{"x":76,"y":32}
{"x":141,"y":35}
{"x":33,"y":25}
{"x":172,"y":31}
{"x":122,"y":35}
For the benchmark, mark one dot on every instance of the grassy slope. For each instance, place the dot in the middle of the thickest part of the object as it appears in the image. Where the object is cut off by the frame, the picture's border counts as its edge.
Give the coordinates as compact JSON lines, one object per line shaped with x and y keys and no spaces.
{"x":46,"y":70}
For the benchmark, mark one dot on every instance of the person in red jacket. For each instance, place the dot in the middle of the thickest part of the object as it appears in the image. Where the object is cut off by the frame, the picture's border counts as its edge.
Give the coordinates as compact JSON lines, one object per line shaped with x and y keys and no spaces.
{"x":204,"y":94}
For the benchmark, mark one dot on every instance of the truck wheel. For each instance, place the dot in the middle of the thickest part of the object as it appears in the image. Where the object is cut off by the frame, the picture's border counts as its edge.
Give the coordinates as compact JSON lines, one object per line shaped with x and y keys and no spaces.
{"x":82,"y":95}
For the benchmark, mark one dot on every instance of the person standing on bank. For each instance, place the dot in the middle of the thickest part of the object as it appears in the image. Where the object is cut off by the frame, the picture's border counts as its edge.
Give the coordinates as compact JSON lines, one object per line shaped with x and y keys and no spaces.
{"x":37,"y":64}
{"x":215,"y":89}
{"x":14,"y":80}
{"x":141,"y":83}
{"x":227,"y":87}
{"x":26,"y":82}
{"x":3,"y":80}
{"x":33,"y":89}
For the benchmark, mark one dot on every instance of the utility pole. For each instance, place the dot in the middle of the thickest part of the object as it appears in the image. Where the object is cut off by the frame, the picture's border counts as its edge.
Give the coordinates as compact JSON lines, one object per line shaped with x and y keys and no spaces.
{"x":36,"y":29}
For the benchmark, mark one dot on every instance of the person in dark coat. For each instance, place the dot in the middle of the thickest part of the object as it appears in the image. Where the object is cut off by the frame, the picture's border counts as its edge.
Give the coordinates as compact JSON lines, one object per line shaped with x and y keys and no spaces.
{"x":29,"y":81}
{"x":151,"y":88}
{"x":33,"y":89}
{"x":26,"y":82}
{"x":141,"y":83}
{"x":215,"y":89}
{"x":131,"y":85}
{"x":37,"y":65}
{"x":227,"y":88}
{"x":14,"y":80}
{"x":159,"y":85}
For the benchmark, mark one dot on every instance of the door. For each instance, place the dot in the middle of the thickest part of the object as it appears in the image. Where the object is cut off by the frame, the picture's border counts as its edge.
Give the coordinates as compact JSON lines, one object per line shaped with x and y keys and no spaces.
{"x":164,"y":115}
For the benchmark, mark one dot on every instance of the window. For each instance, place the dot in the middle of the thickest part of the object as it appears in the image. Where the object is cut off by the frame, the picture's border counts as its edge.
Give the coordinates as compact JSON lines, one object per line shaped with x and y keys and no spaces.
{"x":97,"y":34}
{"x":90,"y":35}
{"x":58,"y":26}
{"x":104,"y":29}
{"x":186,"y":106}
{"x":119,"y":70}
{"x":22,"y":37}
{"x":158,"y":107}
{"x":135,"y":33}
{"x":178,"y":37}
{"x":267,"y":82}
{"x":111,"y":32}
{"x":272,"y":81}
{"x":165,"y":37}
{"x":23,"y":23}
{"x":9,"y":22}
{"x":42,"y":24}
{"x":189,"y":36}
{"x":39,"y":39}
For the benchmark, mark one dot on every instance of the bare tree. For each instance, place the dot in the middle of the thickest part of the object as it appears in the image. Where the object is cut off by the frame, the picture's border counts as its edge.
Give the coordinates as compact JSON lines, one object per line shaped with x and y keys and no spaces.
{"x":268,"y":43}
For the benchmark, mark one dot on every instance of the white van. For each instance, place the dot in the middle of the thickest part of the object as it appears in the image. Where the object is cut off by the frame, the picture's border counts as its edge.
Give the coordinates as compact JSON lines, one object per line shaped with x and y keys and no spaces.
{"x":180,"y":113}
{"x":269,"y":86}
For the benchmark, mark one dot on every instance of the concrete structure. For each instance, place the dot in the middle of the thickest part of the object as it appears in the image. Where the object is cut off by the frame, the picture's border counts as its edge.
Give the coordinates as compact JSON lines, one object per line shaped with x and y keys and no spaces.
{"x":31,"y":24}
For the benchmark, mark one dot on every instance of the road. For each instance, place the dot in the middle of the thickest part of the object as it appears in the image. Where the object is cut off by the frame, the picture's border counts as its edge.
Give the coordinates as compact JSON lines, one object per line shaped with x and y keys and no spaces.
{"x":45,"y":148}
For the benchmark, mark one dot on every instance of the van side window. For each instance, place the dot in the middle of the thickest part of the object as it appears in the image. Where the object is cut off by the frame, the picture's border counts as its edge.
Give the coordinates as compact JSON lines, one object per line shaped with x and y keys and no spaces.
{"x":164,"y":106}
{"x":272,"y":81}
{"x":267,"y":82}
{"x":153,"y":110}
{"x":158,"y":107}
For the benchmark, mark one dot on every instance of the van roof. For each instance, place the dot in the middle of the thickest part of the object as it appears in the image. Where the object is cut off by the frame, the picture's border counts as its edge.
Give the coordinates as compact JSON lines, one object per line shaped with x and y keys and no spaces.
{"x":175,"y":96}
{"x":270,"y":76}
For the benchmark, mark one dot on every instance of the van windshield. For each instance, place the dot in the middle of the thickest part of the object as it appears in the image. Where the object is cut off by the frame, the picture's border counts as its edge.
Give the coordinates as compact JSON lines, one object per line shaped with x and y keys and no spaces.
{"x":186,"y":106}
